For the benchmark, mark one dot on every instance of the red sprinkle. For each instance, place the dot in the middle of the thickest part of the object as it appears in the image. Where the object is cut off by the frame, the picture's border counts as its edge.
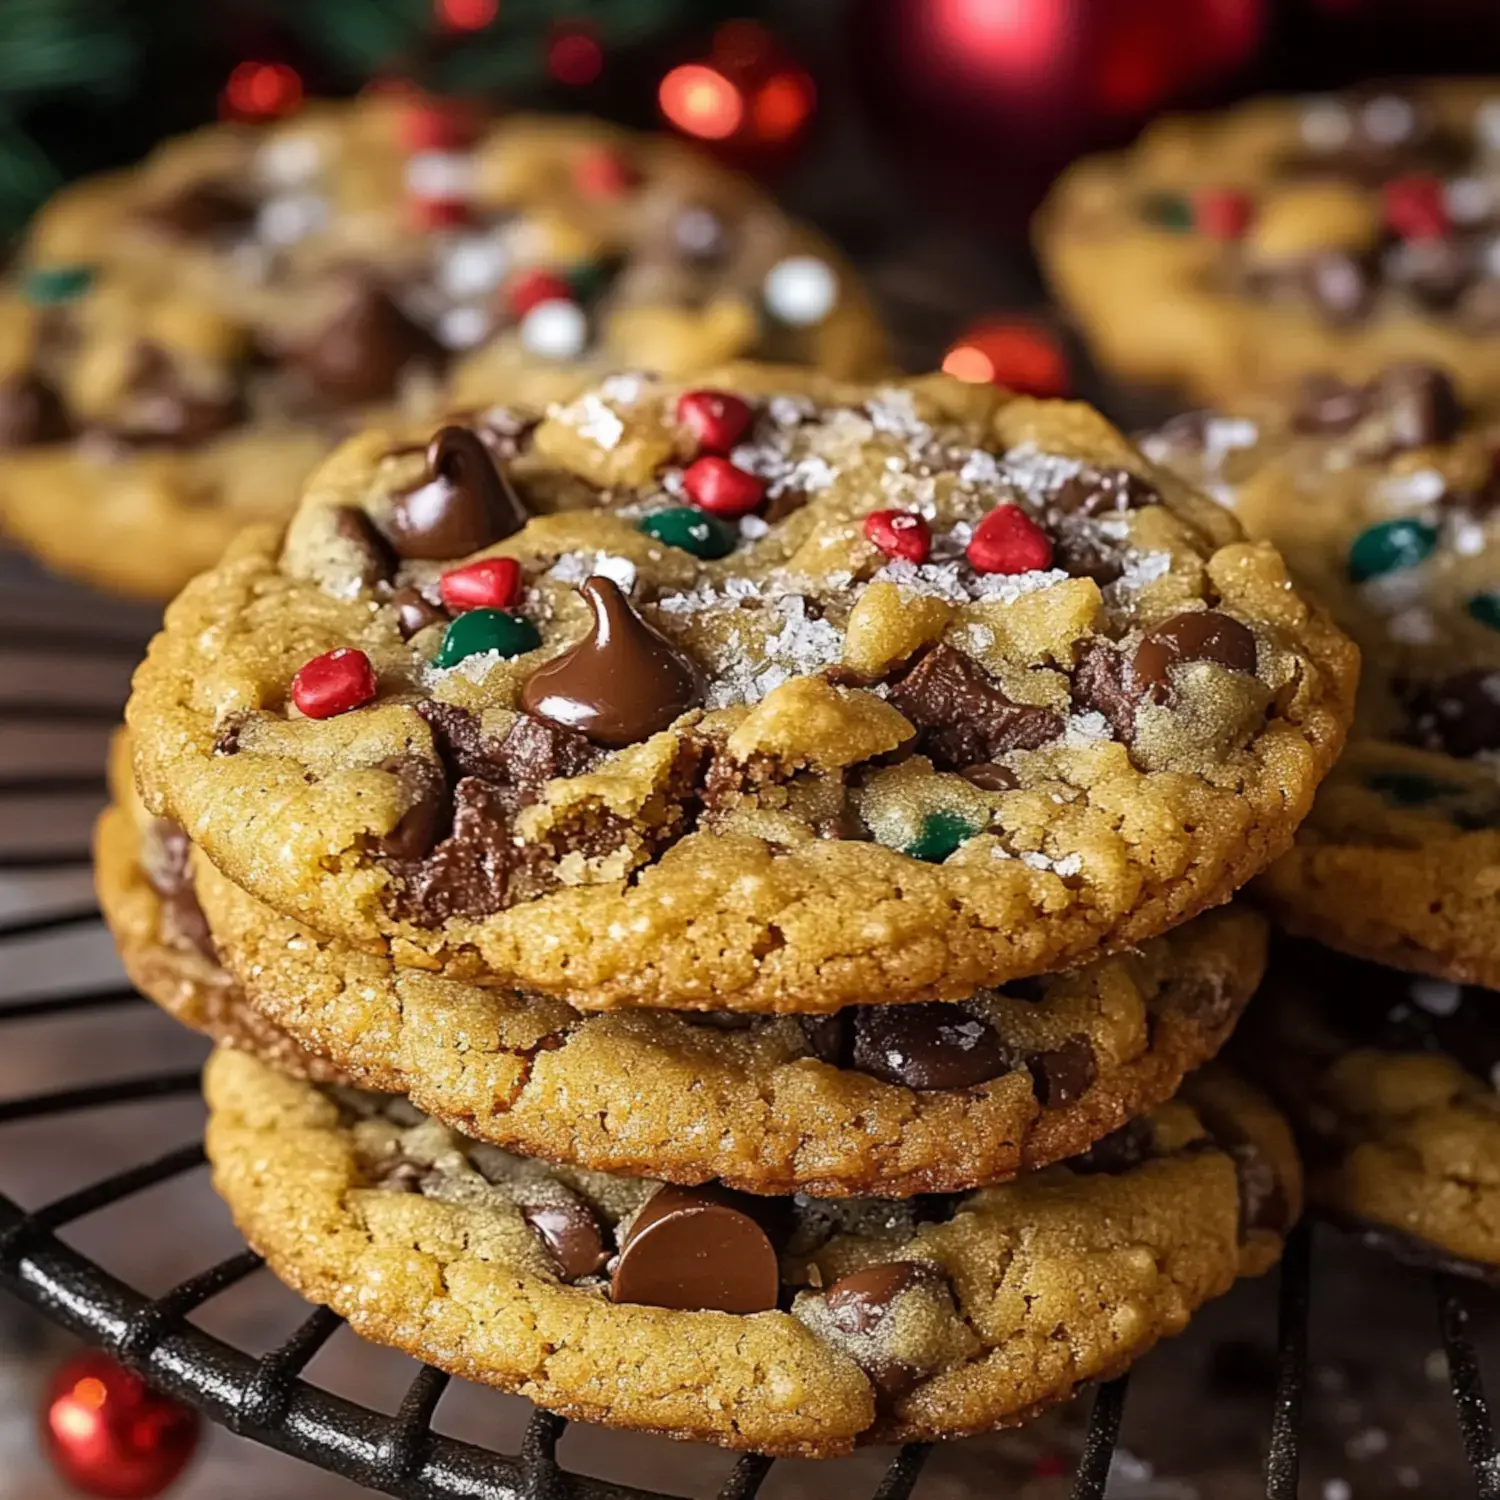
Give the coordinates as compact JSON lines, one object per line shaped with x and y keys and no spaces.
{"x":1222,"y":213}
{"x":604,"y":174}
{"x":334,"y":683}
{"x":715,"y":485}
{"x":438,"y":213}
{"x":1414,"y":207}
{"x":538,"y":285}
{"x":717,"y":419}
{"x":900,"y":533}
{"x":1009,"y":541}
{"x":490,"y":583}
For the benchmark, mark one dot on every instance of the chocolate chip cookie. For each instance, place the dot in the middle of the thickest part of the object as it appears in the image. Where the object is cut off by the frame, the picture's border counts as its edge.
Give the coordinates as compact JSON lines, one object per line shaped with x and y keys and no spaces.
{"x":827,"y":695}
{"x":794,"y":1326}
{"x":1392,"y":1079}
{"x":181,"y":342}
{"x":1233,"y":252}
{"x":1385,"y":499}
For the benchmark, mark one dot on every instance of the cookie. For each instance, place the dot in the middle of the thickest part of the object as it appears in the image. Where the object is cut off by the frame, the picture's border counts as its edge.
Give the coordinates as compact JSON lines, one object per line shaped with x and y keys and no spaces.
{"x":1385,"y":500}
{"x":1237,"y":251}
{"x":1392,"y":1080}
{"x":774,"y":763}
{"x":146,"y":894}
{"x":181,"y":342}
{"x":796,"y":1327}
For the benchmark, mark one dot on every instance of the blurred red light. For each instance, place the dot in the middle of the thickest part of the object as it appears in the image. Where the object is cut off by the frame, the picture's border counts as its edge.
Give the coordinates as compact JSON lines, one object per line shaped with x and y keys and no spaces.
{"x":742,"y":44}
{"x":782,"y":106}
{"x":467,"y":15}
{"x":261,"y":90}
{"x":574,"y":58}
{"x":1017,"y":355}
{"x":1014,"y":35}
{"x":701,"y":101}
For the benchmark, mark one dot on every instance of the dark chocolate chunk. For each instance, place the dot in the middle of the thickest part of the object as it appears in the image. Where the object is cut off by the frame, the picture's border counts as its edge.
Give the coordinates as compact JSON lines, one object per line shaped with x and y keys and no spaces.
{"x":467,"y":874}
{"x":962,"y":717}
{"x":697,"y":1248}
{"x":1457,"y":715}
{"x":465,"y":503}
{"x":830,"y":1037}
{"x":571,"y":1234}
{"x":401,"y":1174}
{"x":533,"y":751}
{"x":1327,"y":404}
{"x":989,"y":777}
{"x":426,"y":792}
{"x":1102,"y":684}
{"x":1065,"y":1074}
{"x":160,"y":407}
{"x":414,"y":612}
{"x":1263,"y":1199}
{"x":928,"y":1046}
{"x":359,"y":356}
{"x":1196,"y":635}
{"x":370,"y":552}
{"x":1096,"y":492}
{"x":1206,"y":1000}
{"x":198,"y":210}
{"x":1118,"y":1152}
{"x":1418,"y":405}
{"x":621,"y":683}
{"x":31,"y":412}
{"x":166,"y":862}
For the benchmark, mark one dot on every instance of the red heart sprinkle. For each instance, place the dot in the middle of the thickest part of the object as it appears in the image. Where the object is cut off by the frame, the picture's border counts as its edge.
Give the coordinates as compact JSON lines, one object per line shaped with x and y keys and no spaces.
{"x":717,"y":486}
{"x":334,"y":683}
{"x":900,"y":533}
{"x":490,"y":583}
{"x":1009,"y":541}
{"x":717,"y":419}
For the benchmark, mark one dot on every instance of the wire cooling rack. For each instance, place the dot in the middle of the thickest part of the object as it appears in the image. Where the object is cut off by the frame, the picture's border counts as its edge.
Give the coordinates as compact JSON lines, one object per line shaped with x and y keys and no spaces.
{"x":265,"y":1397}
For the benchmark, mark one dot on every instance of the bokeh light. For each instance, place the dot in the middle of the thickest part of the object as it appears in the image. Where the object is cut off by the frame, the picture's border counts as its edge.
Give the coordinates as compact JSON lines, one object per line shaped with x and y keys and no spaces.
{"x":262,"y":90}
{"x":701,"y":101}
{"x":574,"y":58}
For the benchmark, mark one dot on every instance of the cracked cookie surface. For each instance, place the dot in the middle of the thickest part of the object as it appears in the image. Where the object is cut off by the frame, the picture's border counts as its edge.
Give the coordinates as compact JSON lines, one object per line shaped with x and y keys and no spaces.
{"x":1385,"y":500}
{"x":822,"y":1325}
{"x":1239,"y":251}
{"x":182,"y":341}
{"x":803,"y":771}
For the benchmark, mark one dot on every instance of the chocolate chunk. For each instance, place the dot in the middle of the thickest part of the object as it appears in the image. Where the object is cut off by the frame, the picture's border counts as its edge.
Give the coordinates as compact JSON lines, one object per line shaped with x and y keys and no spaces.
{"x":694,"y":1249}
{"x":1207,"y":1001}
{"x":830,"y":1037}
{"x":414,"y":612}
{"x":1341,"y":286}
{"x":467,"y":874}
{"x":401,"y":1174}
{"x":1065,"y":1074}
{"x":571,"y":1234}
{"x":1417,"y":405}
{"x":533,"y":751}
{"x":989,"y":777}
{"x":360,"y":355}
{"x":160,"y":407}
{"x":166,"y":862}
{"x":198,"y":210}
{"x":1197,"y":635}
{"x":1263,"y":1200}
{"x":962,"y":717}
{"x":31,"y":412}
{"x":1457,"y":715}
{"x":1118,"y":1152}
{"x":370,"y":552}
{"x":1096,"y":492}
{"x":1102,"y":684}
{"x":858,"y":1303}
{"x":426,"y":793}
{"x":621,"y":683}
{"x":1327,"y":404}
{"x":465,"y":503}
{"x":928,"y":1046}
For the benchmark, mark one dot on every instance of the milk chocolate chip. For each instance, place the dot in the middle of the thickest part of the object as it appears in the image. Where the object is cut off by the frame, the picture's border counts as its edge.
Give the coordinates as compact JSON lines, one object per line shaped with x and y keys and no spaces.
{"x":359,"y":356}
{"x":621,"y":683}
{"x":466,"y":503}
{"x":31,"y":412}
{"x":414,"y":612}
{"x":931,"y":1046}
{"x":1199,"y":635}
{"x":363,"y":546}
{"x":571,"y":1235}
{"x":696,"y":1249}
{"x":858,"y":1305}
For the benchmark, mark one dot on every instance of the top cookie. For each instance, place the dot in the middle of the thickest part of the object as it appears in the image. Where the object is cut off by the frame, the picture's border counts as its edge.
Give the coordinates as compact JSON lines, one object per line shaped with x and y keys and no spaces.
{"x":181,"y":342}
{"x":1231,"y":252}
{"x":1385,"y":499}
{"x":831,"y":695}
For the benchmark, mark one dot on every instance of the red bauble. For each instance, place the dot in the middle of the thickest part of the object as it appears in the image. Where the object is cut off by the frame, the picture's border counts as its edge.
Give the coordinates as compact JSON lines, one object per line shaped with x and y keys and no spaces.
{"x":109,"y":1434}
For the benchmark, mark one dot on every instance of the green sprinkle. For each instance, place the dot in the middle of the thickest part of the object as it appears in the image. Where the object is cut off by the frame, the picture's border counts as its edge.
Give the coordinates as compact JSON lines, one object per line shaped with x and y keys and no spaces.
{"x":47,"y":286}
{"x":1407,"y":789}
{"x":1389,"y":547}
{"x":1486,"y":609}
{"x":480,"y":630}
{"x":691,"y":529}
{"x":1169,"y":211}
{"x":589,"y":278}
{"x":942,"y":833}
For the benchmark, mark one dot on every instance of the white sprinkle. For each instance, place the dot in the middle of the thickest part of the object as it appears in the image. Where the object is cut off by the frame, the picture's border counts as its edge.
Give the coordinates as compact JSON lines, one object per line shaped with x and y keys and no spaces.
{"x":1438,"y":997}
{"x":440,"y":175}
{"x":801,"y":290}
{"x":574,"y":567}
{"x":753,"y":528}
{"x":789,"y":411}
{"x":1487,"y":124}
{"x":1468,"y":199}
{"x":462,"y":327}
{"x":1069,"y":864}
{"x":591,"y":418}
{"x":1412,"y":627}
{"x":1422,"y":487}
{"x":1325,"y":124}
{"x":1036,"y":474}
{"x":1467,"y":537}
{"x":893,"y":411}
{"x":289,"y":160}
{"x":1087,"y":729}
{"x":476,"y":667}
{"x":626,"y":388}
{"x":1225,"y":435}
{"x":959,"y":583}
{"x":555,"y":329}
{"x":981,"y":469}
{"x":1141,"y":568}
{"x":474,"y":265}
{"x":286,"y":220}
{"x":1388,"y":119}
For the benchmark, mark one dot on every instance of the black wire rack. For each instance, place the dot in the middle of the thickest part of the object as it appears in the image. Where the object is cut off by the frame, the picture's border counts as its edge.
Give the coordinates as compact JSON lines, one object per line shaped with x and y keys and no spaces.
{"x":265,"y":1397}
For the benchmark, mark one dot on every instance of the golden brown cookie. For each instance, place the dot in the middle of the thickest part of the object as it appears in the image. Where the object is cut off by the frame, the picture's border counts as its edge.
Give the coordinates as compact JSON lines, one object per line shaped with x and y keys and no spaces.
{"x":180,"y":342}
{"x":1385,"y":501}
{"x":1237,"y":251}
{"x":967,"y":691}
{"x":794,"y":1328}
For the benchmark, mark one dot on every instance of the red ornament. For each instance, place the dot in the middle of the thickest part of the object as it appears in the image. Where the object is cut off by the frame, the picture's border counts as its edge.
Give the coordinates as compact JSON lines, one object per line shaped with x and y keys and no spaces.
{"x":900,"y":533}
{"x":717,"y":486}
{"x":1222,"y":213}
{"x":530,"y":288}
{"x":491,"y":583}
{"x":1414,"y":207}
{"x":334,"y":683}
{"x":604,"y":173}
{"x":1009,"y":541}
{"x":109,"y":1434}
{"x":717,"y":419}
{"x":1019,"y":356}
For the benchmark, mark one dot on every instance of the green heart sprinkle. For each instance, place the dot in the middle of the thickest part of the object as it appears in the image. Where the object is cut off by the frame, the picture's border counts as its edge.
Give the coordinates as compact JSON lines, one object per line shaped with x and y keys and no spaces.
{"x":1486,"y":609}
{"x":1389,"y":547}
{"x":480,"y":630}
{"x":48,"y":286}
{"x":942,"y":833}
{"x":692,"y":530}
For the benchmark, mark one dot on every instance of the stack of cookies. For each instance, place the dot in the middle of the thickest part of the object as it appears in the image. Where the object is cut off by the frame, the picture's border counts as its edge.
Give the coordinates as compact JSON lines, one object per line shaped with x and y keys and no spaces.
{"x":712,"y":895}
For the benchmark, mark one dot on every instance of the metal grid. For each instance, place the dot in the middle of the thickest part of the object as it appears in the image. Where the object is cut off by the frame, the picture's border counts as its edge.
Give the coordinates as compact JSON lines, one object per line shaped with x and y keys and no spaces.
{"x":266,"y":1399}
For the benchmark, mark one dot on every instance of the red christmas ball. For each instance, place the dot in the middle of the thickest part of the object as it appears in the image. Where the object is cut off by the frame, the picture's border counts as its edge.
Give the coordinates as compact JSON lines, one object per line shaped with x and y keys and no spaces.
{"x":109,"y":1434}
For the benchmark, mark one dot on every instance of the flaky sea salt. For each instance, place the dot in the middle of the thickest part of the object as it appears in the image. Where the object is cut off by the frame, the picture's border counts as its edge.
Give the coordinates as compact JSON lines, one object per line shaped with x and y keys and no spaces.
{"x":1038,"y":475}
{"x":575,"y":567}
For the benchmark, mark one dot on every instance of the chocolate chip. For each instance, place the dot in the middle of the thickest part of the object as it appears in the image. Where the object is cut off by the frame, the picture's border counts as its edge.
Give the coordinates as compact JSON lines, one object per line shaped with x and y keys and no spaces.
{"x":830,"y":1037}
{"x":962,"y":717}
{"x":928,"y":1046}
{"x":533,"y":751}
{"x":31,"y":412}
{"x":370,"y":553}
{"x":621,"y":683}
{"x":1095,"y":492}
{"x":989,"y":777}
{"x":160,"y":407}
{"x":1342,"y":286}
{"x":1263,"y":1199}
{"x":1102,"y":684}
{"x":1457,"y":715}
{"x":694,"y":1249}
{"x":859,"y":1302}
{"x":166,"y":862}
{"x":1065,"y":1074}
{"x":571,"y":1234}
{"x":468,"y":873}
{"x":1327,"y":404}
{"x":401,"y":1174}
{"x":425,"y":790}
{"x":1118,"y":1152}
{"x":465,"y":503}
{"x":360,"y":355}
{"x":1418,"y":406}
{"x":198,"y":210}
{"x":414,"y":612}
{"x":1197,"y":635}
